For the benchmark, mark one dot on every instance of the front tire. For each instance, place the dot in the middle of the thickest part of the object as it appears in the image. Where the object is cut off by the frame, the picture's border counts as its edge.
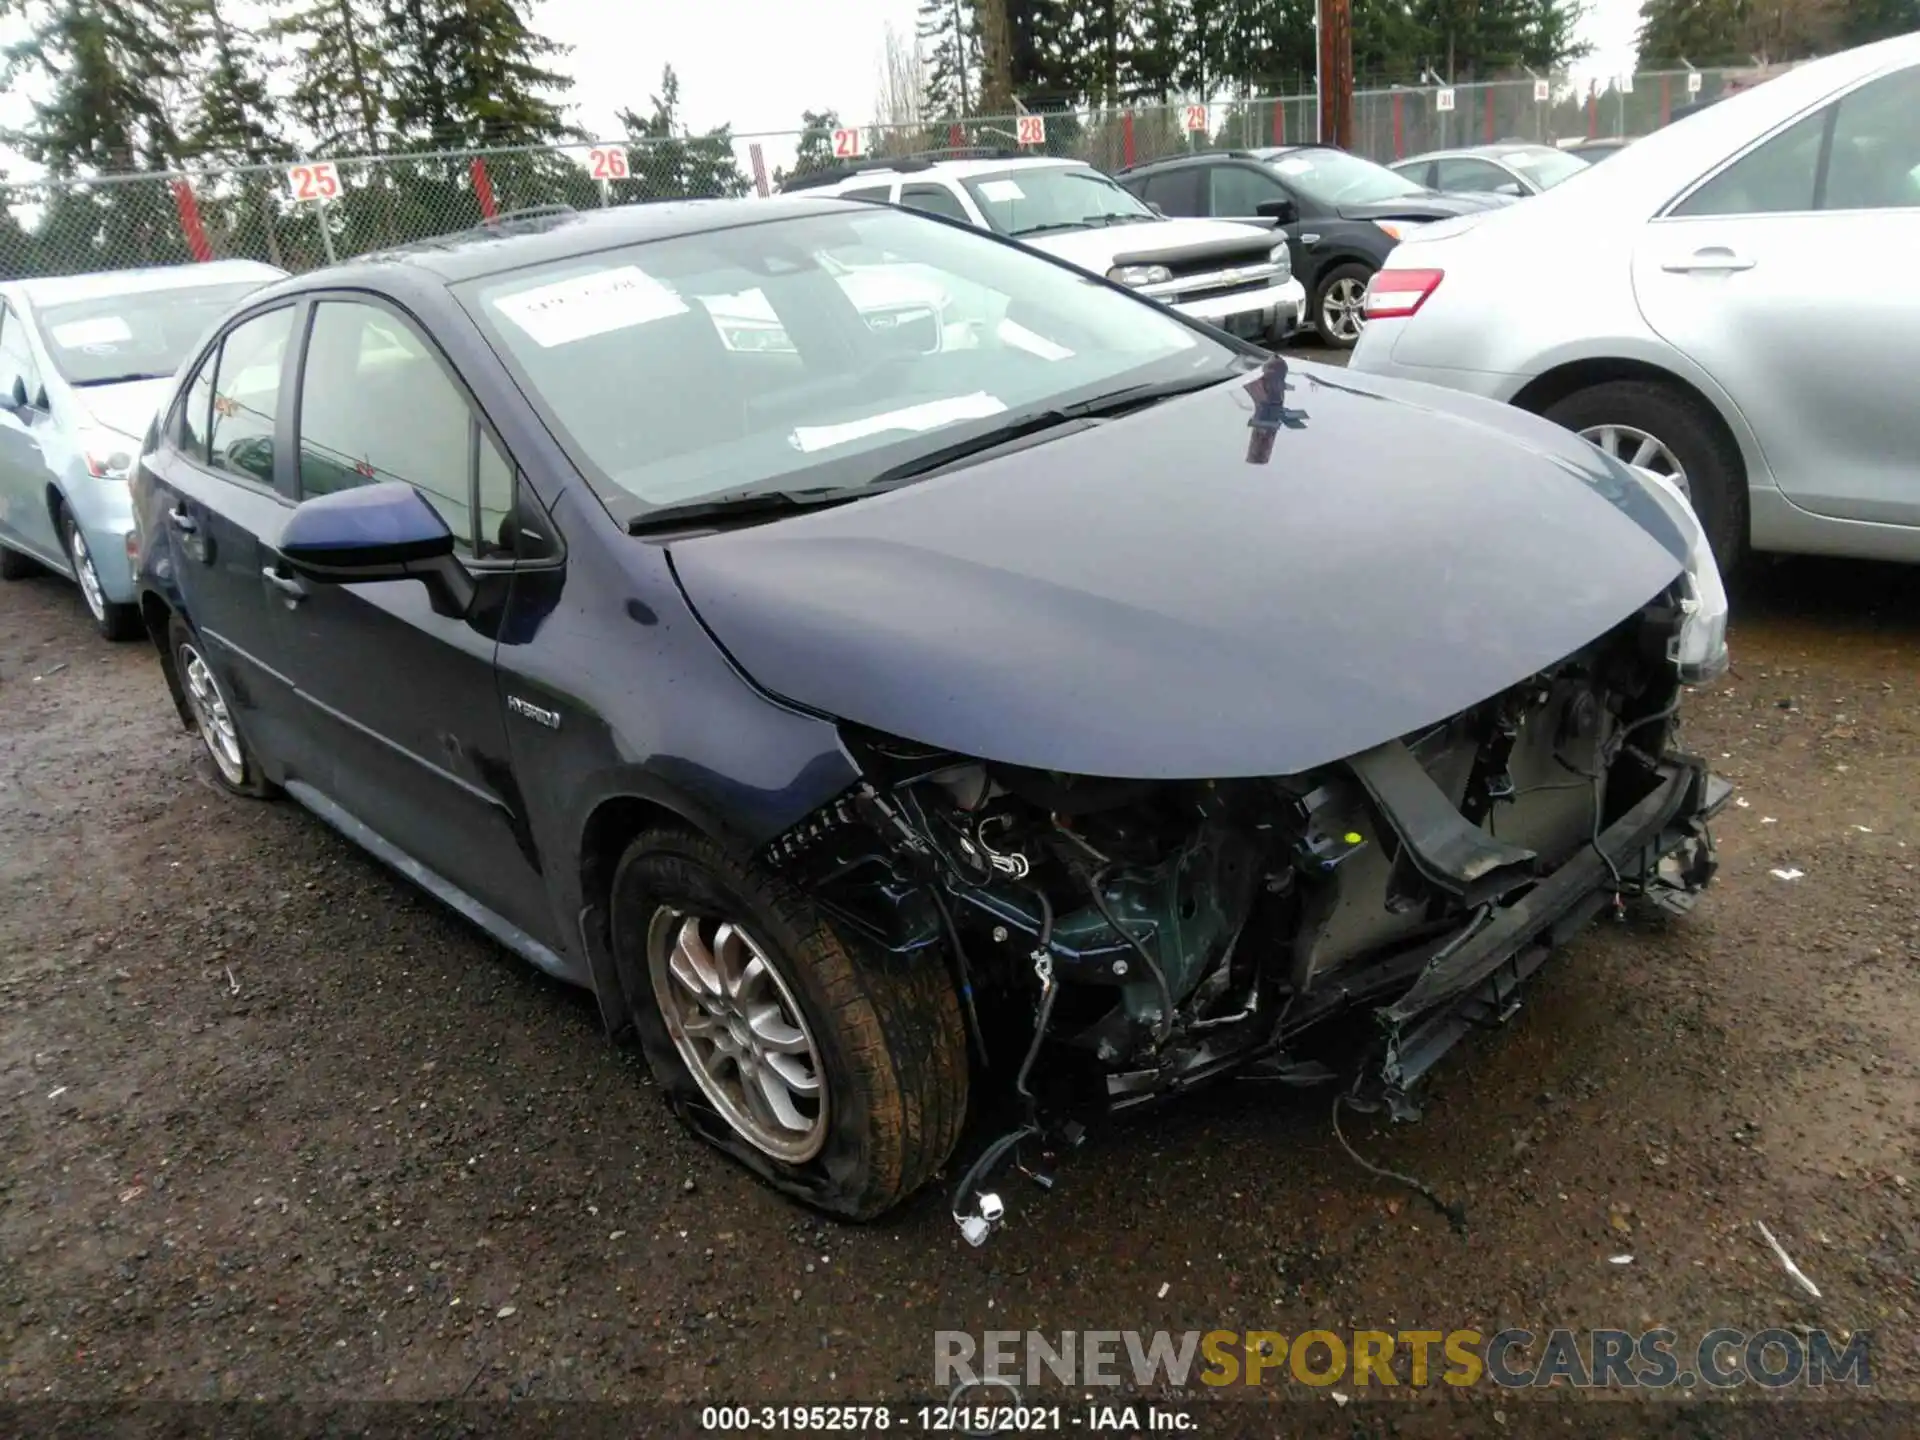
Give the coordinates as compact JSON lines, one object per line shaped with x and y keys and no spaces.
{"x":227,"y":754}
{"x":1339,"y":305}
{"x":837,"y":1073}
{"x":1643,"y":422}
{"x":115,"y":622}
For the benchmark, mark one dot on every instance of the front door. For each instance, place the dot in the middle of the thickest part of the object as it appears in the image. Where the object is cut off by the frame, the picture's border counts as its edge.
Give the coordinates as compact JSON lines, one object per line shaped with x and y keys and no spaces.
{"x":1757,"y":274}
{"x":400,"y":705}
{"x":222,"y":488}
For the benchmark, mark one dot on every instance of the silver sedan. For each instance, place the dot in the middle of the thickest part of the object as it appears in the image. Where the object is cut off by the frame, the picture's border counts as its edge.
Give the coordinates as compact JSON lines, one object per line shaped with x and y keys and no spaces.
{"x":1731,"y":301}
{"x":1515,"y":168}
{"x":83,"y":361}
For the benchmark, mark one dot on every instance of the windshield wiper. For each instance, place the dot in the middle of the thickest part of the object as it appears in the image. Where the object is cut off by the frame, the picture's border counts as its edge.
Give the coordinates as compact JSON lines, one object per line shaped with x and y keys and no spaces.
{"x":735,"y":504}
{"x":1048,"y":228}
{"x":126,"y":379}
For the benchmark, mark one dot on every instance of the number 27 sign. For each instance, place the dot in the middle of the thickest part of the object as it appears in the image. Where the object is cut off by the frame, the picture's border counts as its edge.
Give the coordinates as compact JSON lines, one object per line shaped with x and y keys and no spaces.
{"x":315,"y":181}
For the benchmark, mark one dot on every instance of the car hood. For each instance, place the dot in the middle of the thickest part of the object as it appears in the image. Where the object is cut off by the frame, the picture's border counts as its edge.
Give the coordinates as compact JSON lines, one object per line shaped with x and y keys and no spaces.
{"x":1204,"y":589}
{"x":126,"y":408}
{"x":1432,"y":206}
{"x":1095,"y":249}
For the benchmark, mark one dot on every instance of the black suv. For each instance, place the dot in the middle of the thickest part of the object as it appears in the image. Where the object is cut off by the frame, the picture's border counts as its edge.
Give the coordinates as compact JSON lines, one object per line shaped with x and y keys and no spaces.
{"x":1341,"y":214}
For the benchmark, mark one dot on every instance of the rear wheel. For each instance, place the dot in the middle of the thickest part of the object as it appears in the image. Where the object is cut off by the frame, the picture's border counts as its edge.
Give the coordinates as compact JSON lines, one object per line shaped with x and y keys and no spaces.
{"x":1339,"y":305}
{"x":233,"y":763}
{"x":1645,"y":423}
{"x":837,"y":1073}
{"x":15,"y":566}
{"x":116,"y":622}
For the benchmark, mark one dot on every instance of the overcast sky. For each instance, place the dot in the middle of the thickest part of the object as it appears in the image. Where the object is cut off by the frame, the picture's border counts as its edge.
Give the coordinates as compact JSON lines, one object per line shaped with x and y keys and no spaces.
{"x":756,"y":64}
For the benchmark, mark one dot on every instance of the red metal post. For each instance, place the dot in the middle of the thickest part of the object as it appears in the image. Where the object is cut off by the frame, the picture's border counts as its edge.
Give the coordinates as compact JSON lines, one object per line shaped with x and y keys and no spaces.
{"x":1593,"y":112}
{"x":1279,"y":122}
{"x":1489,"y":122}
{"x":1666,"y":98}
{"x":1399,"y":128}
{"x":956,"y":136}
{"x":483,"y":188}
{"x":190,"y":226}
{"x":1126,"y":137}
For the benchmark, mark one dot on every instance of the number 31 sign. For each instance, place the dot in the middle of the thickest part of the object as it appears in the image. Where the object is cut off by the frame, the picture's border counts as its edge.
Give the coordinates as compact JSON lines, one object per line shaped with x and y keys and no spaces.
{"x":315,"y":181}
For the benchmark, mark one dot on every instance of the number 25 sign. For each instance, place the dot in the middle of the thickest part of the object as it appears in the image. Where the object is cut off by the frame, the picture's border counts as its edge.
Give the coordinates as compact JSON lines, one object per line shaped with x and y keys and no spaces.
{"x":608,"y":164}
{"x":315,"y":181}
{"x":1031,"y":130}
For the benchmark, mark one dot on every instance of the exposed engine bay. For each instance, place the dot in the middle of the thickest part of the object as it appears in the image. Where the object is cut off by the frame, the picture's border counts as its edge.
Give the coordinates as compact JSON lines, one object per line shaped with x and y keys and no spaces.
{"x":1115,"y":941}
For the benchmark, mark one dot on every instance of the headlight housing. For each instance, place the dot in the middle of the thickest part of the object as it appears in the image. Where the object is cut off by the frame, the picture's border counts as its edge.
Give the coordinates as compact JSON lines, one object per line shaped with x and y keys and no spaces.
{"x":1137,"y":275}
{"x":1698,"y":649}
{"x":108,"y":455}
{"x":1281,"y":256}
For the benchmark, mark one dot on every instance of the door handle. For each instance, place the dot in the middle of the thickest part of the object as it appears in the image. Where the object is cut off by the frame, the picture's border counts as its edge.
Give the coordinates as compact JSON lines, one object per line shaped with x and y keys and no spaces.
{"x":285,"y":584}
{"x":1712,"y":259}
{"x":182,"y":521}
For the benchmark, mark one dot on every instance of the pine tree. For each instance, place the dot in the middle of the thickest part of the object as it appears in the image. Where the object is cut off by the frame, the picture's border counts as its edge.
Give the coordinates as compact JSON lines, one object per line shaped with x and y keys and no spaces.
{"x":236,"y":121}
{"x":1869,"y":20}
{"x":469,"y":73}
{"x":953,"y":58}
{"x":669,"y":162}
{"x":815,"y":148}
{"x":112,"y":65}
{"x":342,"y":80}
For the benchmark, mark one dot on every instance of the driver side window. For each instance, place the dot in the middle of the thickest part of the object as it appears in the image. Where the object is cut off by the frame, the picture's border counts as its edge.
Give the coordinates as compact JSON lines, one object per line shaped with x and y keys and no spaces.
{"x":1242,"y":190}
{"x":244,"y":398}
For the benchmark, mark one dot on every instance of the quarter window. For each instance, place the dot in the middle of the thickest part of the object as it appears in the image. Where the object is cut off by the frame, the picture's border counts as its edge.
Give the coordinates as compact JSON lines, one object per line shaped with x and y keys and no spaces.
{"x":246,"y":395}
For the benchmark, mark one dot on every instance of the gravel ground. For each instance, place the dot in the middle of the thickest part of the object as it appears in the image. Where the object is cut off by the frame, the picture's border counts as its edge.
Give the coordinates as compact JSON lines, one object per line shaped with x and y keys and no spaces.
{"x":274,"y":1125}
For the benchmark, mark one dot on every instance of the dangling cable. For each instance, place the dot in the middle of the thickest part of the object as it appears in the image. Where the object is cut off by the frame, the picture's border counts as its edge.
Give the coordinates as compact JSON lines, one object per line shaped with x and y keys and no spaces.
{"x":1457,"y":1214}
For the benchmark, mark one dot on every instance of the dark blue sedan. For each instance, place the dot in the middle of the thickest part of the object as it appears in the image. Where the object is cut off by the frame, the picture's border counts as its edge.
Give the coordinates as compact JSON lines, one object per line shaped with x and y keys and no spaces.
{"x":888,"y":665}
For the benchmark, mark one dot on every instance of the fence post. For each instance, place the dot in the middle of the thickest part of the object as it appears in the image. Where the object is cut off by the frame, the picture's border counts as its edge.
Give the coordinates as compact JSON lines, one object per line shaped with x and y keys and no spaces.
{"x":1399,"y":127}
{"x":1280,"y":120}
{"x":190,"y":226}
{"x":1126,"y":137}
{"x":1593,"y":112}
{"x":1666,"y":98}
{"x":1489,"y":120}
{"x":956,"y":136}
{"x":483,"y":188}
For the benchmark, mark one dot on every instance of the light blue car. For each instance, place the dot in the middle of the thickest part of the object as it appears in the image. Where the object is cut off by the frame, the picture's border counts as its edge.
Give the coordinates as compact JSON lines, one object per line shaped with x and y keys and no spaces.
{"x":83,"y":361}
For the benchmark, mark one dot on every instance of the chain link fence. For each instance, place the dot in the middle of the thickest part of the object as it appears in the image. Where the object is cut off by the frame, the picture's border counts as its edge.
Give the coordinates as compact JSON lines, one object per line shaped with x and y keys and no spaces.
{"x":305,"y":214}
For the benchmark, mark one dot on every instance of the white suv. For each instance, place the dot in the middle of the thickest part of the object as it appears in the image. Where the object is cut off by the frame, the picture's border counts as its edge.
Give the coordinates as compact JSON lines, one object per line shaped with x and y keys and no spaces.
{"x":1232,"y":276}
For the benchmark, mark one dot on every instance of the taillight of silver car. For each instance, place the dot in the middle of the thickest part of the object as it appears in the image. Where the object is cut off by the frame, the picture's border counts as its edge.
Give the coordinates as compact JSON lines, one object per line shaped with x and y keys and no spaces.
{"x":1395,"y":294}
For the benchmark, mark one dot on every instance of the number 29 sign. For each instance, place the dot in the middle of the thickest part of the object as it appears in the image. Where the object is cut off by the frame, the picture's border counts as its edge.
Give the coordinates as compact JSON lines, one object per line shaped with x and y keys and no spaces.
{"x":317,"y":180}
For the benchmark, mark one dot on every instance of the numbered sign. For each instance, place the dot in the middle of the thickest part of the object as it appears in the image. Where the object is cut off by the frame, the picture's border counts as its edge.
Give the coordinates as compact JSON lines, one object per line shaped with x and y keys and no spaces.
{"x":1443,"y":100}
{"x":1542,"y":92}
{"x":1693,"y":82}
{"x":315,"y":181}
{"x":1031,"y":129}
{"x":1626,"y":84}
{"x":846,"y":144}
{"x":609,"y":163}
{"x":1196,"y":119}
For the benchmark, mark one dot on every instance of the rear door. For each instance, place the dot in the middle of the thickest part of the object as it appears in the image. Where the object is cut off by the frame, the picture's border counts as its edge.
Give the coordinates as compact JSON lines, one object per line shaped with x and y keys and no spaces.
{"x":1788,"y":275}
{"x":1469,"y":175}
{"x":400,"y":709}
{"x":26,"y":520}
{"x":225,"y":488}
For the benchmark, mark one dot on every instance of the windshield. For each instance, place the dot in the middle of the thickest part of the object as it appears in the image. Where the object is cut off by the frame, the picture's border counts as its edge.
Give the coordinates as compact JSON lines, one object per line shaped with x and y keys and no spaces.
{"x":1547,"y":167}
{"x":142,"y":335}
{"x":1333,"y":177}
{"x":810,"y":352}
{"x":1052,"y":197}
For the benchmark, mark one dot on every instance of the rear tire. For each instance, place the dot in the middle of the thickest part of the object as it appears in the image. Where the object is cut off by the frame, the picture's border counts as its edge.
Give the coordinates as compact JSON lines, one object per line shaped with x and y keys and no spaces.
{"x":1337,"y":301}
{"x":15,"y":566}
{"x":1715,"y":478}
{"x":225,"y":749}
{"x":115,"y":622}
{"x":879,"y":1035}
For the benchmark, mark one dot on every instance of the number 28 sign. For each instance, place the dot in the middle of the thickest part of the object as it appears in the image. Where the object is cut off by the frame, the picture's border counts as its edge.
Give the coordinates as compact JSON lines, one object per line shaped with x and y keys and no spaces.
{"x":1031,"y":130}
{"x":315,"y":181}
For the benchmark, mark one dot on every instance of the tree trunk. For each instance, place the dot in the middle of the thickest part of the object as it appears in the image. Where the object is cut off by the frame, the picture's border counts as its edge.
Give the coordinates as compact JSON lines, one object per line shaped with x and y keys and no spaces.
{"x":996,"y":56}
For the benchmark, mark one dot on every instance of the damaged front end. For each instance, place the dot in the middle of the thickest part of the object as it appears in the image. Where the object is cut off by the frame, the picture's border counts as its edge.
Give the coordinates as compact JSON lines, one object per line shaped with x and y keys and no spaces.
{"x":1117,"y":941}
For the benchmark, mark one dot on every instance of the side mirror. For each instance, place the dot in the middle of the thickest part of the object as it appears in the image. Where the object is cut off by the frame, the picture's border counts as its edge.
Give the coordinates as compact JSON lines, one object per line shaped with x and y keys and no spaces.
{"x":1283,"y":212}
{"x":17,"y":401}
{"x":377,"y":532}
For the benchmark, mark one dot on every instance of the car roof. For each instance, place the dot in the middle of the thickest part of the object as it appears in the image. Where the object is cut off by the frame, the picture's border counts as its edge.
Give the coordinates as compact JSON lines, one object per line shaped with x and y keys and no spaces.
{"x":865,"y":172}
{"x":102,"y":284}
{"x":1200,"y":157}
{"x":1498,"y":150}
{"x":558,"y":233}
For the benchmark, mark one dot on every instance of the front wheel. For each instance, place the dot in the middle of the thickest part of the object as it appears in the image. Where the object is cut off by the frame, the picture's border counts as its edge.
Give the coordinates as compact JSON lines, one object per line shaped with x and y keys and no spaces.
{"x":1339,"y":305}
{"x":835,"y":1072}
{"x":115,"y":622}
{"x":233,"y":763}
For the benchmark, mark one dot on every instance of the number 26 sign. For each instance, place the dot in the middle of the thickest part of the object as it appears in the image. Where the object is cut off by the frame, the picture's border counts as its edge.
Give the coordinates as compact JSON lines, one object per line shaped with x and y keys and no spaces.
{"x":315,"y":181}
{"x":609,"y":163}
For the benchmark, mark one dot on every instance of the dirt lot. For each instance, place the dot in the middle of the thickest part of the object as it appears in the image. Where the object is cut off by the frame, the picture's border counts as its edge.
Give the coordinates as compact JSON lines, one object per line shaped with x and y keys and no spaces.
{"x":276,"y":1126}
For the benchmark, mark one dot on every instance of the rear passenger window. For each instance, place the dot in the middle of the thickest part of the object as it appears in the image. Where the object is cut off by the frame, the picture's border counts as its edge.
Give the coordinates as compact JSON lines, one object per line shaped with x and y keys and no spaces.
{"x":376,"y":404}
{"x":935,"y":200}
{"x":1776,"y":179}
{"x":1176,"y":192}
{"x":245,"y":398}
{"x":868,"y":192}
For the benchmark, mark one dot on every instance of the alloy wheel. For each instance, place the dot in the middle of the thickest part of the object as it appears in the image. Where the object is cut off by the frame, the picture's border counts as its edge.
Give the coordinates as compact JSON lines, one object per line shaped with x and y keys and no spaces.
{"x":210,"y":712}
{"x":1631,"y":446}
{"x":1343,"y":309}
{"x":740,"y":1031}
{"x":85,"y":574}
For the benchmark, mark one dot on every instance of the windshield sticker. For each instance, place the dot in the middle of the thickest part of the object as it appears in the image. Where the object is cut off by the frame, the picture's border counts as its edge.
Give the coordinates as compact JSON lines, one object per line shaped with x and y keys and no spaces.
{"x":1294,"y":167}
{"x":1002,"y":190}
{"x":101,"y":330}
{"x":1018,"y":337}
{"x":1524,"y":160}
{"x":586,"y":305}
{"x":930,"y":416}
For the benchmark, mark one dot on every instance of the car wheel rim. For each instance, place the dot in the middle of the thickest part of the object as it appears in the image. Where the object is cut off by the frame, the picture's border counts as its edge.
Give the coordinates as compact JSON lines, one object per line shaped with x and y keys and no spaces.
{"x":1342,"y":310}
{"x":88,"y":577}
{"x":1631,"y":446}
{"x":210,"y":713}
{"x":740,"y":1031}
